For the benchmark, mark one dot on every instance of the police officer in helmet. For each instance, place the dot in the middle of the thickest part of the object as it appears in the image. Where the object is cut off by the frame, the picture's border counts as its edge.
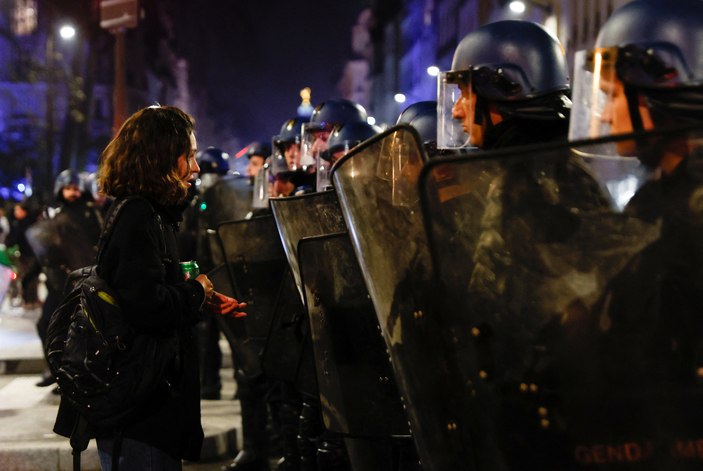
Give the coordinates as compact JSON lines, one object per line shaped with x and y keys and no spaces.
{"x":257,"y":153}
{"x":316,"y":132}
{"x":290,"y":175}
{"x":508,"y":85}
{"x":65,"y":241}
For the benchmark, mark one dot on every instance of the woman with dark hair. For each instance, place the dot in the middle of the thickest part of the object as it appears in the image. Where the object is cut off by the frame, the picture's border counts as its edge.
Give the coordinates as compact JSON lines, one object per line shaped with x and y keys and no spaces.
{"x":153,"y":157}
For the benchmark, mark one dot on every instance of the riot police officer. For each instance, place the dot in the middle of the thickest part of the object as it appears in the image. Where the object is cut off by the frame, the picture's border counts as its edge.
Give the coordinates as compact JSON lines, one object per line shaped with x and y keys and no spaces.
{"x":645,"y":74}
{"x":66,"y":240}
{"x":508,"y":85}
{"x":257,"y":153}
{"x":290,"y":175}
{"x":316,"y":132}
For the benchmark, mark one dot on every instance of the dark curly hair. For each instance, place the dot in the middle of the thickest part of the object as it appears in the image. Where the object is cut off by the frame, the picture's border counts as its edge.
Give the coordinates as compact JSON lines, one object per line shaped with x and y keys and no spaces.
{"x":143,"y":158}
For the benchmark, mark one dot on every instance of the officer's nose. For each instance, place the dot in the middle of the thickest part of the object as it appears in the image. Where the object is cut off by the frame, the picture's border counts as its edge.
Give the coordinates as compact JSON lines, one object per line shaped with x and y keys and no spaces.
{"x":458,"y":109}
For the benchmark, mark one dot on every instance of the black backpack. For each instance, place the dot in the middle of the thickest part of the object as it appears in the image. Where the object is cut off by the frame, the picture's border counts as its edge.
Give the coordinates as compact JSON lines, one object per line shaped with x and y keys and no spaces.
{"x":103,"y":368}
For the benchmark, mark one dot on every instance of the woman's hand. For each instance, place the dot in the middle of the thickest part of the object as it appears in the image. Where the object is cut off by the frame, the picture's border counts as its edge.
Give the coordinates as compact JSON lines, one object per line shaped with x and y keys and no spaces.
{"x":207,"y":286}
{"x":218,"y":303}
{"x":225,"y":306}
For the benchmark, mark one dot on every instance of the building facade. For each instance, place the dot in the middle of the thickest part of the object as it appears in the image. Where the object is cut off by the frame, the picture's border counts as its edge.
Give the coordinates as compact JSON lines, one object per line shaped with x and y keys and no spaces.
{"x":424,"y":33}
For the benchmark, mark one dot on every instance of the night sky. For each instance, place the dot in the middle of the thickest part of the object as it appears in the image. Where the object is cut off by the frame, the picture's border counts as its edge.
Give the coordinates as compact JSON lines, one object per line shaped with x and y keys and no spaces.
{"x":252,"y":57}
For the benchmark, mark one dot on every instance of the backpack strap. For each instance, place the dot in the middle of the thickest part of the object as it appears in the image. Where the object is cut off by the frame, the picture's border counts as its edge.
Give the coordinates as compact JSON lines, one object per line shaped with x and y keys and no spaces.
{"x":112,"y":217}
{"x":110,"y":222}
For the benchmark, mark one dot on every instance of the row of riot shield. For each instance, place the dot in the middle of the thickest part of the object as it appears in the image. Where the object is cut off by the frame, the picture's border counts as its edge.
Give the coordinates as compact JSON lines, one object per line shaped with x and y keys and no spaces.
{"x":310,"y":321}
{"x":541,"y":305}
{"x":358,"y":395}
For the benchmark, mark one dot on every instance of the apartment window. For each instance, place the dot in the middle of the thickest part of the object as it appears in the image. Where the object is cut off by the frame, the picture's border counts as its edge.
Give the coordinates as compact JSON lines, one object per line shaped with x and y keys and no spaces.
{"x":24,"y":17}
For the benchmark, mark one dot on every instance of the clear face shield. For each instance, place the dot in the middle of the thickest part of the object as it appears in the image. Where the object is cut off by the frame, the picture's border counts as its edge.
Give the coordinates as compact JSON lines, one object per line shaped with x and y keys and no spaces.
{"x":288,"y":152}
{"x":454,"y":116}
{"x":313,"y":146}
{"x":601,"y":108}
{"x":307,"y":139}
{"x":599,"y":103}
{"x":261,"y":186}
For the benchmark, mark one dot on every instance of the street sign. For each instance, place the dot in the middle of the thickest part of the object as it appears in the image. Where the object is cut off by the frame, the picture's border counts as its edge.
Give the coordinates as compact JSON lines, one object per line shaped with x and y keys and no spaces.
{"x":117,"y":14}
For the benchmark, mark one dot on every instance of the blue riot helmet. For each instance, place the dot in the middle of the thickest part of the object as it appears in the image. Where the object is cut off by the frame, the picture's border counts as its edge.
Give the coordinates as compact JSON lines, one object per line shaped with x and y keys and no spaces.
{"x":316,"y":132}
{"x":213,"y":163}
{"x":65,"y":178}
{"x":257,"y":153}
{"x":332,"y":112}
{"x":286,"y":146}
{"x":514,"y":68}
{"x":423,"y":117}
{"x":650,"y":53}
{"x":346,"y":136}
{"x":213,"y":160}
{"x":258,"y":148}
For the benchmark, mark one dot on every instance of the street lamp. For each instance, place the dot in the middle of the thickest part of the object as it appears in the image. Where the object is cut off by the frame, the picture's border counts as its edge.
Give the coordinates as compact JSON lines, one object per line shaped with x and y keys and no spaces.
{"x":517,"y":6}
{"x":67,"y":32}
{"x":520,"y":6}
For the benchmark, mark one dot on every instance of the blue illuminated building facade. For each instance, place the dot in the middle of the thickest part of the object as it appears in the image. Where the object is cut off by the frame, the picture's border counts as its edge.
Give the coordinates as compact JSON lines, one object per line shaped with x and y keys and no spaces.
{"x":56,"y":93}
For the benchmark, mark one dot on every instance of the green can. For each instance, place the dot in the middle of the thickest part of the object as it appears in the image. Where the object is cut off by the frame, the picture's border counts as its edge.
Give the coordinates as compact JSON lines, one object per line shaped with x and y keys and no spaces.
{"x":190,"y":269}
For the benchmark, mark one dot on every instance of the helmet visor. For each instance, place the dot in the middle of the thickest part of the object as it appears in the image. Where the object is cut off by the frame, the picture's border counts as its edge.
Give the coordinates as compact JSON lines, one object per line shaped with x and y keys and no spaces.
{"x":261,"y":187}
{"x":454,"y":111}
{"x":313,"y":152}
{"x":308,"y":148}
{"x":599,"y":102}
{"x":286,"y":155}
{"x":600,"y":105}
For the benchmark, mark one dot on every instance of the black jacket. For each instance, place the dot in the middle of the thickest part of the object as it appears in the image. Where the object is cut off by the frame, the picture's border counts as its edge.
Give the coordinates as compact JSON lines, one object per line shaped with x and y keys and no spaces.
{"x":155,"y":299}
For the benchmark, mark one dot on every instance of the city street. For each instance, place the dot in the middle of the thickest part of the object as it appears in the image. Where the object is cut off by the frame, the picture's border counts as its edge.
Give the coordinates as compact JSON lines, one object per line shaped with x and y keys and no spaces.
{"x":27,"y":412}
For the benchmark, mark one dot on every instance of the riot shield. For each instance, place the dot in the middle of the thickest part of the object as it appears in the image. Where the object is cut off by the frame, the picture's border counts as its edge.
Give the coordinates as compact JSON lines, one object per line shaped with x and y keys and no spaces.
{"x":571,"y":276}
{"x":256,"y":265}
{"x":377,"y":188}
{"x":305,"y":216}
{"x":229,"y":199}
{"x":288,"y":353}
{"x":358,"y":392}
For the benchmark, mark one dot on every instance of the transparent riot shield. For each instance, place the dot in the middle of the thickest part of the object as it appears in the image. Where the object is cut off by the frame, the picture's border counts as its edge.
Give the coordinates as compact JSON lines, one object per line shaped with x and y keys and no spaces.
{"x":288,"y":354}
{"x":305,"y":216}
{"x":358,"y":392}
{"x":256,"y":265}
{"x":571,"y":285}
{"x":377,"y":188}
{"x":229,"y":199}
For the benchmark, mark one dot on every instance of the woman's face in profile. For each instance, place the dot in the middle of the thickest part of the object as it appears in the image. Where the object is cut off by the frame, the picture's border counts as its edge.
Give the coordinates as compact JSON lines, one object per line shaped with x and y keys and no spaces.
{"x":187,"y":165}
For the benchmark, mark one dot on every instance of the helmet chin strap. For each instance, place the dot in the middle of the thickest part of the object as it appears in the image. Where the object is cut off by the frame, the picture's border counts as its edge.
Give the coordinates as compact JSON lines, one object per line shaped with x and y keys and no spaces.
{"x":482,"y":115}
{"x":633,"y":105}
